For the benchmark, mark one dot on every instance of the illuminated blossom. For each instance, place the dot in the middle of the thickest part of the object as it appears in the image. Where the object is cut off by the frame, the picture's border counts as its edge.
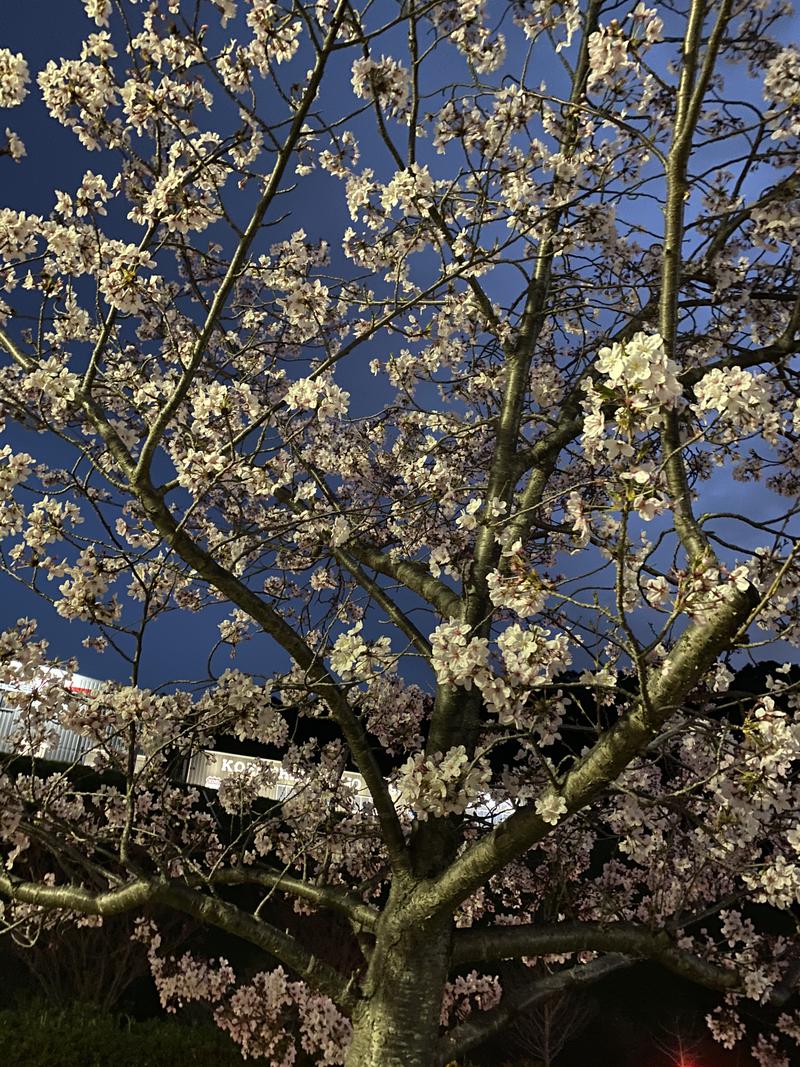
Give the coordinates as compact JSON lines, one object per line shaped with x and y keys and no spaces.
{"x":99,"y":10}
{"x":551,"y":808}
{"x":13,"y":78}
{"x":384,"y":80}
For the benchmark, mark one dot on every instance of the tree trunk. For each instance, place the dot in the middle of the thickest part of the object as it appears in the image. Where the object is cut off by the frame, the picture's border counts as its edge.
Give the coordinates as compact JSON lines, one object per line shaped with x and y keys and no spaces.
{"x":397,"y":1023}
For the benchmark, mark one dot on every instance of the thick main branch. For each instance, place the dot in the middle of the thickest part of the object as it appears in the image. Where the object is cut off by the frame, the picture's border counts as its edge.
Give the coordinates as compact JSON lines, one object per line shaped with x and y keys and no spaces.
{"x":694,"y":653}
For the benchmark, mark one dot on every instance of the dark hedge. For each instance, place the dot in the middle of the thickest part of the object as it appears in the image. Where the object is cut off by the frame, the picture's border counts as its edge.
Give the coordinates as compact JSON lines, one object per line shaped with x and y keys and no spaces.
{"x":42,"y":1037}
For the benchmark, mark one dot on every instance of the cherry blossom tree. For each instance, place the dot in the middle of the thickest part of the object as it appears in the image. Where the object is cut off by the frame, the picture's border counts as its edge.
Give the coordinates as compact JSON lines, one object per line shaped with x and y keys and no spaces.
{"x":456,"y":460}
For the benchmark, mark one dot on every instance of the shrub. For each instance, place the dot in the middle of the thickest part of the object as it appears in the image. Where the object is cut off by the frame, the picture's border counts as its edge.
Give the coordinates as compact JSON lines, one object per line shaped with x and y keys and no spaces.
{"x":39,"y":1036}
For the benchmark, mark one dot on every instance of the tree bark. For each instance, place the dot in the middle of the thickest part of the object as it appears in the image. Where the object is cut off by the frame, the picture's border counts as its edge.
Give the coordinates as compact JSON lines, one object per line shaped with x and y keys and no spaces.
{"x":396,"y":1024}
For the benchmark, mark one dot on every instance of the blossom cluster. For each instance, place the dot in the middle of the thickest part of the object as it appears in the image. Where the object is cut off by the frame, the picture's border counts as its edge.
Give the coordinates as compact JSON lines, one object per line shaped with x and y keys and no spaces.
{"x":443,"y":783}
{"x":614,"y":53}
{"x":551,"y":808}
{"x":464,"y":22}
{"x":15,"y":467}
{"x":411,"y":190}
{"x":353,"y":658}
{"x":468,"y":992}
{"x":457,"y":658}
{"x":259,"y":1014}
{"x":640,"y":369}
{"x":321,"y":395}
{"x":181,"y":981}
{"x":243,"y":707}
{"x":608,"y":56}
{"x":394,"y":711}
{"x":516,"y":586}
{"x":531,"y":657}
{"x":523,"y":594}
{"x":642,"y":381}
{"x":744,"y":402}
{"x":385,"y":80}
{"x":13,"y":78}
{"x":781,"y":78}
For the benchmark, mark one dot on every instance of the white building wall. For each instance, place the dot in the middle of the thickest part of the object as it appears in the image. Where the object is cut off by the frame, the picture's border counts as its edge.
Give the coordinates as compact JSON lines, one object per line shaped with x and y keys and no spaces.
{"x":206,"y":769}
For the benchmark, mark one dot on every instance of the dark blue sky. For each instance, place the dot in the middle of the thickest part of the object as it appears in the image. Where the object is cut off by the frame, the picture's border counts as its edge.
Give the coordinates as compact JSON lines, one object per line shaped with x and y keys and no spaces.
{"x":177,"y":644}
{"x":49,"y":29}
{"x":42,"y":30}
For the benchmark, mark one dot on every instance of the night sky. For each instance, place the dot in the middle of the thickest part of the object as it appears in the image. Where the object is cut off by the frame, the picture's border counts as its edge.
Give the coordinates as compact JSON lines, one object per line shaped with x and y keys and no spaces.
{"x":47,"y":29}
